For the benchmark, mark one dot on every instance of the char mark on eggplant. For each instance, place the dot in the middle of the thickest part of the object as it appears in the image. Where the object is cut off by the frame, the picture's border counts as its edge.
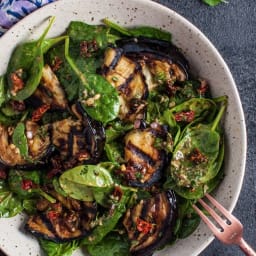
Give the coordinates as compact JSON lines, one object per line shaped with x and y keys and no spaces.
{"x":79,"y":140}
{"x":126,"y":76}
{"x":65,"y":220}
{"x":150,"y":223}
{"x":138,"y":65}
{"x":49,"y":92}
{"x":144,"y":161}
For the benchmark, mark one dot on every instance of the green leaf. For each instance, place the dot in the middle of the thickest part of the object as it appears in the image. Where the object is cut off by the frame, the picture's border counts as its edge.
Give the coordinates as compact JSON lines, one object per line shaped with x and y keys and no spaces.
{"x":104,"y":99}
{"x":117,"y":129}
{"x":145,"y":31}
{"x":106,"y":107}
{"x":199,"y":140}
{"x":10,"y":204}
{"x":28,"y":58}
{"x":79,"y":31}
{"x":109,"y":221}
{"x":20,"y":140}
{"x":79,"y":182}
{"x":2,"y":90}
{"x":213,"y":2}
{"x":189,"y":225}
{"x":114,"y":151}
{"x":53,"y":249}
{"x":112,"y":245}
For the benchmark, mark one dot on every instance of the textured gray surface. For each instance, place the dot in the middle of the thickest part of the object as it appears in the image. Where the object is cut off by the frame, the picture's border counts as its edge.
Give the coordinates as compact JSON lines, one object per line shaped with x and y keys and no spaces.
{"x":232,"y":29}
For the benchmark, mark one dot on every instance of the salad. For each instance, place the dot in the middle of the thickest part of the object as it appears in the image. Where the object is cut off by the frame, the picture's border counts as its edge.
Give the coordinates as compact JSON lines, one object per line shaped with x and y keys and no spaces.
{"x":106,"y":140}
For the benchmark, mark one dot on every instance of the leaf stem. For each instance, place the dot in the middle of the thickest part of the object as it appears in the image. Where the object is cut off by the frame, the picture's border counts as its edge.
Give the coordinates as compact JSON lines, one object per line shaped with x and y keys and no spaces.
{"x":220,"y":114}
{"x":73,"y":65}
{"x":116,"y":27}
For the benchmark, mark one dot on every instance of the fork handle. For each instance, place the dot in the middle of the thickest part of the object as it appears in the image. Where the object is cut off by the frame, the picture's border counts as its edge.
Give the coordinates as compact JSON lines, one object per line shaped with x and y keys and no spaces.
{"x":246,"y":248}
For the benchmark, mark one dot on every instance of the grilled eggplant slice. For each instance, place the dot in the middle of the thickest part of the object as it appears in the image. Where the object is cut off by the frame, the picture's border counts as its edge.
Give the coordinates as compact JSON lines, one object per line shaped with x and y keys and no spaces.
{"x":144,"y":162}
{"x":126,"y":76}
{"x":49,"y":92}
{"x":138,"y":65}
{"x":154,"y":49}
{"x":80,"y":140}
{"x":95,"y":133}
{"x":65,"y":220}
{"x":39,"y":145}
{"x":150,"y":223}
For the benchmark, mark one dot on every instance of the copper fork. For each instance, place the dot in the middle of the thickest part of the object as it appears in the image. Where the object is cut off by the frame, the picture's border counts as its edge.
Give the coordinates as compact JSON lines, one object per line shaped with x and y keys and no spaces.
{"x":230,"y":230}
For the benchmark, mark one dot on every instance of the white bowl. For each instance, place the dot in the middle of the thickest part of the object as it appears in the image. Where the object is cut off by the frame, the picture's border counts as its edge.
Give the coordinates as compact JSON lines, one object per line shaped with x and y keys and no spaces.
{"x":206,"y":63}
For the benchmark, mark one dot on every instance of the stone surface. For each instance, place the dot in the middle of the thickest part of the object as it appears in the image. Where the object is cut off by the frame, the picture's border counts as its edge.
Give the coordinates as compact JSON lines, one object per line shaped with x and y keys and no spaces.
{"x":231,"y":28}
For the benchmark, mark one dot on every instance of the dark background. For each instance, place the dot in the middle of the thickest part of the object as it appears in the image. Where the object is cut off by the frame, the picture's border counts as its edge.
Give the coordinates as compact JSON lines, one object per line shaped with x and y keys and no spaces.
{"x":231,"y":27}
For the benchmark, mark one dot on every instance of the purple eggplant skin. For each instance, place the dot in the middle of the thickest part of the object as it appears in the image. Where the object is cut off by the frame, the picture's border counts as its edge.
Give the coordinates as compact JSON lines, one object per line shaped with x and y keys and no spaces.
{"x":152,"y":209}
{"x":95,"y":133}
{"x":141,"y":46}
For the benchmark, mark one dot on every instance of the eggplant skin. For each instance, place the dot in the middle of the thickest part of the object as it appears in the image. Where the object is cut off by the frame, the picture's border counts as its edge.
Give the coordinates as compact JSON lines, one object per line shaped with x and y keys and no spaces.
{"x":160,"y":211}
{"x":63,"y":221}
{"x":144,"y":162}
{"x":141,"y":46}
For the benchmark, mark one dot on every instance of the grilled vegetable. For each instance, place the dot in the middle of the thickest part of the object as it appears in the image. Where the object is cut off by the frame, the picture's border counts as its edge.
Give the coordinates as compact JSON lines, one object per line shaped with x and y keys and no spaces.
{"x":37,"y":139}
{"x":139,"y":65}
{"x":150,"y":223}
{"x":50,"y":91}
{"x":78,"y":140}
{"x":144,"y":160}
{"x":65,"y":220}
{"x":95,"y":132}
{"x":126,"y":76}
{"x":158,"y":56}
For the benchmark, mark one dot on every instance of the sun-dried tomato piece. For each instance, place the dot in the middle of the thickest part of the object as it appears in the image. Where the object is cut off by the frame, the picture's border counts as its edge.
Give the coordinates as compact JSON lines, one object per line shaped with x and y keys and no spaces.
{"x":27,"y":184}
{"x":38,"y":113}
{"x":185,"y":116}
{"x":143,"y":226}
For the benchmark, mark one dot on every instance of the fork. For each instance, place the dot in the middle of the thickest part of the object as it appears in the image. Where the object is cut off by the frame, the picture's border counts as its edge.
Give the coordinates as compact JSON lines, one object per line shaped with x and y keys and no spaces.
{"x":231,"y":229}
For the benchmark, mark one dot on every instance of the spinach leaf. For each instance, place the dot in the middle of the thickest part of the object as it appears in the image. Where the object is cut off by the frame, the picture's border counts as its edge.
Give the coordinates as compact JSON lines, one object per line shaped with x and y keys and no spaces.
{"x":200,"y":107}
{"x":29,"y":205}
{"x":79,"y":182}
{"x":20,"y":140}
{"x":80,"y":31}
{"x":2,"y":90}
{"x":112,"y":245}
{"x":188,"y":89}
{"x":28,"y":60}
{"x":145,"y":31}
{"x":213,"y":2}
{"x":98,"y":97}
{"x":53,"y":249}
{"x":10,"y":204}
{"x":26,"y":184}
{"x":7,"y":120}
{"x":189,"y":224}
{"x":114,"y":151}
{"x":116,"y":129}
{"x":109,"y":221}
{"x":16,"y":181}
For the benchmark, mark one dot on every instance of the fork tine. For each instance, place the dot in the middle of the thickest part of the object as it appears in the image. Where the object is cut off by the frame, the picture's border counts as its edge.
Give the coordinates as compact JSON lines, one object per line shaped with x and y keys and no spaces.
{"x":215,"y":216}
{"x":207,"y":221}
{"x":224,"y":211}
